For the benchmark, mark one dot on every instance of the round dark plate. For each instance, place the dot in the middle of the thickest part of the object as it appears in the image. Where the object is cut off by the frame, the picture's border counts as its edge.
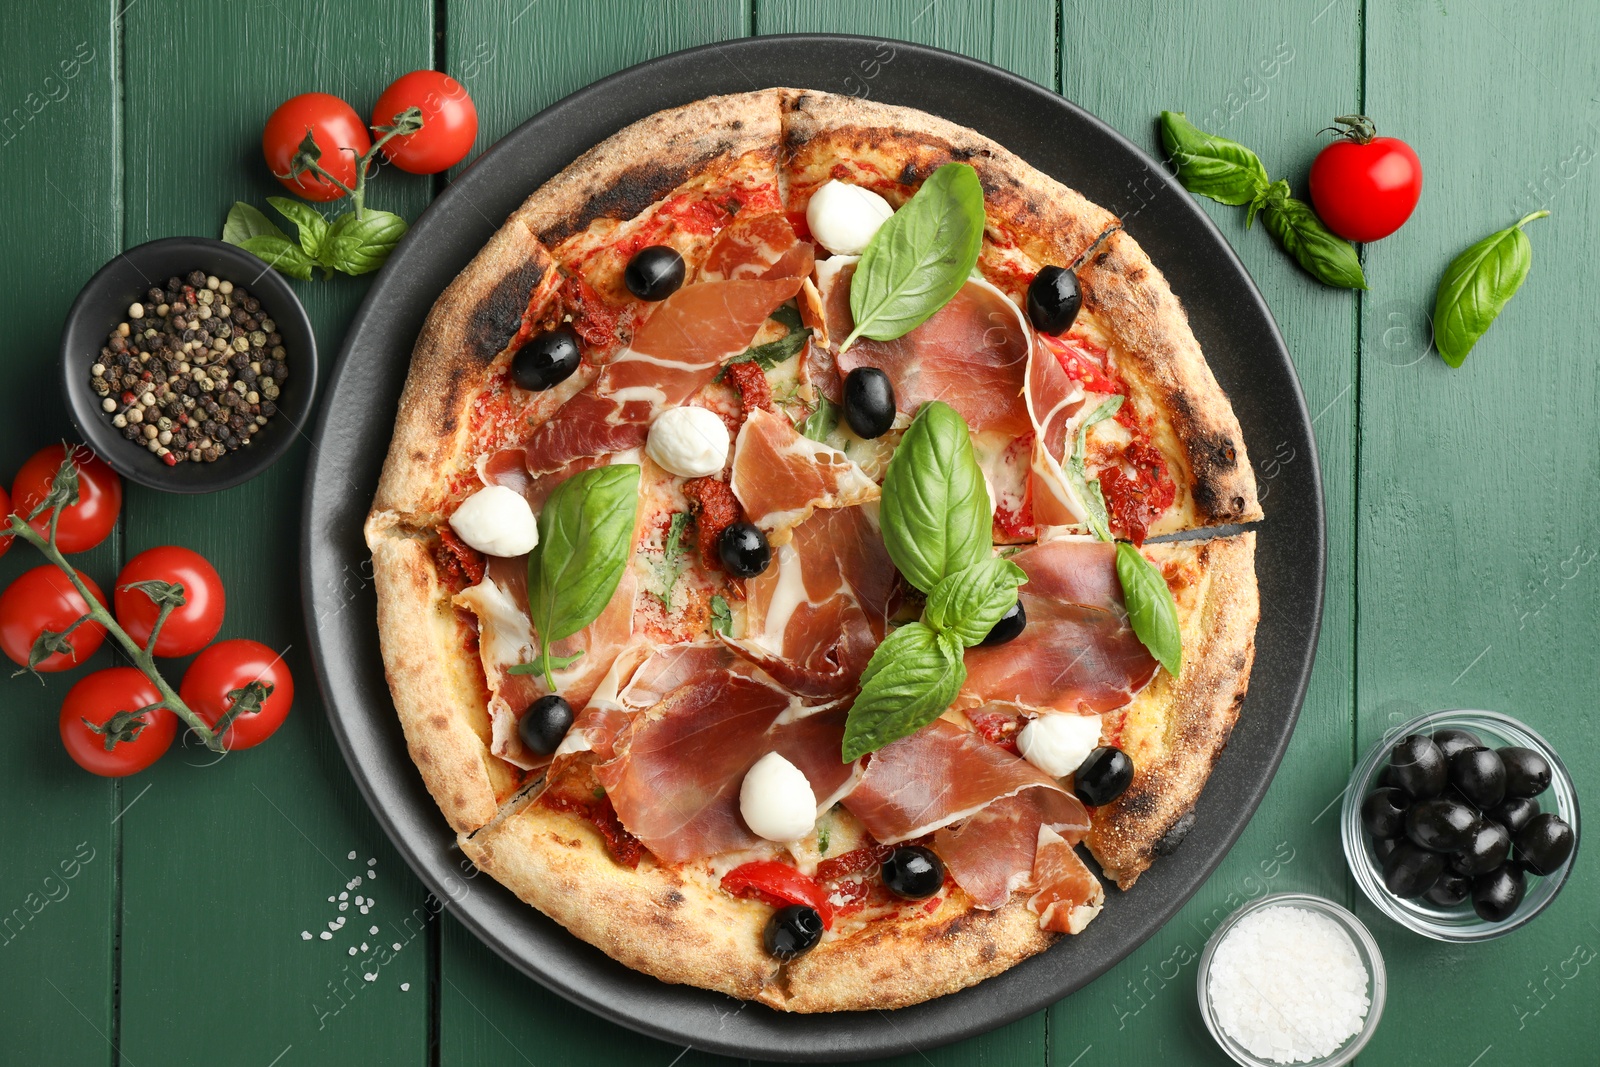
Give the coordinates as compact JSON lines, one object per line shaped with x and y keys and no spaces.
{"x":1234,"y":327}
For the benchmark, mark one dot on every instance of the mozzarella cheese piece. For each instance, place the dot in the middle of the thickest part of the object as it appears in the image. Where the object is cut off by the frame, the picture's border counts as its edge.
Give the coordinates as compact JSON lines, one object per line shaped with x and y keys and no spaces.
{"x":844,"y":217}
{"x":1058,"y":742}
{"x":496,"y":521}
{"x":776,"y":800}
{"x":688,"y":441}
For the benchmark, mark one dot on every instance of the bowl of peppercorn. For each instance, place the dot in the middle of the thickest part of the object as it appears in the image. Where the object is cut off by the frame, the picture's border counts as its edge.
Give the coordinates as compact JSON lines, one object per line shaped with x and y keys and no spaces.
{"x":188,"y":365}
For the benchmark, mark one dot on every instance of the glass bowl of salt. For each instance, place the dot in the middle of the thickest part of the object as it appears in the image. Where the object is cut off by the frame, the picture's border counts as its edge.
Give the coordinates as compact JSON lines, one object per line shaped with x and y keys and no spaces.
{"x":1292,"y":979}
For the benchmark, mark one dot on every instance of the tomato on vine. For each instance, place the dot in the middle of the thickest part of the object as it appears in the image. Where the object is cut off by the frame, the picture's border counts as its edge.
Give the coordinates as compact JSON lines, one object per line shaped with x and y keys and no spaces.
{"x":242,"y":681}
{"x":5,"y":509}
{"x":44,"y":599}
{"x":1365,"y":186}
{"x":110,"y":726}
{"x":84,"y":524}
{"x":338,"y":133}
{"x":189,"y":627}
{"x":449,"y":121}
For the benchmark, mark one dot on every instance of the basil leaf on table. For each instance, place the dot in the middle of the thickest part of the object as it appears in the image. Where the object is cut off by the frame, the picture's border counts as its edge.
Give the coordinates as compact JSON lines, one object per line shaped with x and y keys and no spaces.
{"x":935,"y":508}
{"x":970,"y":602}
{"x":1324,"y":254}
{"x":360,"y":246}
{"x":1151,"y":610}
{"x":1477,"y":286}
{"x":245,"y":221}
{"x":281,"y":254}
{"x":920,"y":257}
{"x":1213,"y":166}
{"x":585,"y":542}
{"x":310,"y":224}
{"x":910,"y":680}
{"x":1086,"y":488}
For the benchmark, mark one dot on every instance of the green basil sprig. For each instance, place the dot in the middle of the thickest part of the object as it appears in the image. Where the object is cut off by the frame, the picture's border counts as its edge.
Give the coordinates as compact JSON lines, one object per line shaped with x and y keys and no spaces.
{"x":920,"y":257}
{"x":585,"y":542}
{"x":1477,"y":286}
{"x":935,"y":508}
{"x":350,"y":244}
{"x":912,"y":677}
{"x":970,"y":602}
{"x":1151,"y":610}
{"x":822,"y":422}
{"x":1086,"y":488}
{"x":1325,"y":255}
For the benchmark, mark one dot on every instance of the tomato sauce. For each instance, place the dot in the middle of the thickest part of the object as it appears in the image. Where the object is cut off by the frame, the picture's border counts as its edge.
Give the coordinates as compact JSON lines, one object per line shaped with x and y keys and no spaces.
{"x":623,"y":846}
{"x":459,"y":564}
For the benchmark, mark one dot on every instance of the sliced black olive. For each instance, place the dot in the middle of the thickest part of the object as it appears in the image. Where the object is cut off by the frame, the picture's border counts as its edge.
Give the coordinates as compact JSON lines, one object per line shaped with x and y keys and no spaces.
{"x":1495,"y":895}
{"x":1411,"y":871}
{"x":545,"y":723}
{"x":1451,"y":741}
{"x":1488,"y":849}
{"x":1441,"y":824}
{"x":1383,"y":813}
{"x":1103,"y":776}
{"x":868,"y":402}
{"x":1054,"y":298}
{"x":547,"y":359}
{"x":1169,"y":842}
{"x":654,"y":273}
{"x":1382,"y":846}
{"x":792,"y":931}
{"x":1009,"y":628}
{"x":913,"y":872}
{"x":1515,"y":813}
{"x":1527,"y":772}
{"x":1544,"y":844}
{"x":1451,"y":889}
{"x":1478,"y":775}
{"x":1417,"y":766}
{"x":744,"y":550}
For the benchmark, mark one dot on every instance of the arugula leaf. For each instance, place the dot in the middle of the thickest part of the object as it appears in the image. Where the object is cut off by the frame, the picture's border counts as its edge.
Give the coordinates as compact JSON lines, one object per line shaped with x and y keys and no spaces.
{"x":1151,"y":610}
{"x":1213,"y":166}
{"x":245,"y":221}
{"x":920,"y":257}
{"x":672,"y":556}
{"x":1087,"y":489}
{"x":910,"y":680}
{"x":721,"y":616}
{"x":280,"y":253}
{"x":360,"y":246}
{"x":1325,"y":255}
{"x":971,"y":601}
{"x":312,"y":227}
{"x":1477,"y":286}
{"x":935,"y":507}
{"x":821,"y":422}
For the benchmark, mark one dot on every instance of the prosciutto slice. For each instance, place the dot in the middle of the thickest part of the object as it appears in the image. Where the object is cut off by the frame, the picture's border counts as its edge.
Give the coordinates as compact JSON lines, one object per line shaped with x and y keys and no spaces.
{"x":993,"y":853}
{"x":640,"y":676}
{"x":780,"y":477}
{"x":1053,"y":400}
{"x":1066,"y":894}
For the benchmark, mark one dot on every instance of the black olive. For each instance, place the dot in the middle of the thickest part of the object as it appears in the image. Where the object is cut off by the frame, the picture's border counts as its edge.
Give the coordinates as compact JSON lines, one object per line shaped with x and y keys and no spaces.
{"x":1488,"y":849}
{"x":1009,"y":628}
{"x":1417,"y":766}
{"x":1544,"y":844}
{"x":547,"y":359}
{"x":1451,"y":741}
{"x":545,"y":723}
{"x":744,"y":550}
{"x":1495,"y":895}
{"x":1451,"y":889}
{"x":1385,"y":779}
{"x":1383,"y":813}
{"x":792,"y":931}
{"x":868,"y":402}
{"x":913,"y":872}
{"x":1054,"y":298}
{"x":1411,"y":871}
{"x":1478,"y":775}
{"x":654,"y":273}
{"x":1103,"y":776}
{"x":1515,"y":813}
{"x":1441,"y":824}
{"x":1527,"y":772}
{"x":1382,"y":846}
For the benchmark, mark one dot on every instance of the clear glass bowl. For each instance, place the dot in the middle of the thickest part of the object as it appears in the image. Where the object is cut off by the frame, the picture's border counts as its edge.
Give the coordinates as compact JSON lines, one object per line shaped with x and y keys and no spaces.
{"x":1460,"y":923}
{"x":1366,"y":948}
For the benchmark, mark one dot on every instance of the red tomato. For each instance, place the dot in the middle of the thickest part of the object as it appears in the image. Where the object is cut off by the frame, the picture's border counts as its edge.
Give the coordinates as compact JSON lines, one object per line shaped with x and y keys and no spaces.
{"x":5,"y":509}
{"x":84,"y":524}
{"x":44,"y":599}
{"x":189,"y":628}
{"x":338,"y":132}
{"x":778,"y":884}
{"x":449,"y":121}
{"x":230,"y":665}
{"x":137,"y":740}
{"x":1365,"y":187}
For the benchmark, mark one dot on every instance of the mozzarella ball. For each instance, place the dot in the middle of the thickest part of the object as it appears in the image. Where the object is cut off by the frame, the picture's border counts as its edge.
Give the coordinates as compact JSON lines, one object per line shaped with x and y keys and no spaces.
{"x":843,"y":217}
{"x":1058,"y":742}
{"x":496,"y":521}
{"x":688,"y":441}
{"x":776,"y":800}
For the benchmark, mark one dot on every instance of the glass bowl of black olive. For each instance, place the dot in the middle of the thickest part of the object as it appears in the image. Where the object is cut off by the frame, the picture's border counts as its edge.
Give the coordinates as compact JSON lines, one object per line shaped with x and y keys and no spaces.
{"x":1461,"y":825}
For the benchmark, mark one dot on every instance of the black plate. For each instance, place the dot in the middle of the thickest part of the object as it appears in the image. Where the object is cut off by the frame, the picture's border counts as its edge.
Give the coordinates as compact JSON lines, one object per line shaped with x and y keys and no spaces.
{"x":1228,"y":315}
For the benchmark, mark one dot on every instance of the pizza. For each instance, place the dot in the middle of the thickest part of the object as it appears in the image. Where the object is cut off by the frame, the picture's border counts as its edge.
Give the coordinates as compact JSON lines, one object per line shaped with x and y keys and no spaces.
{"x":769,"y":559}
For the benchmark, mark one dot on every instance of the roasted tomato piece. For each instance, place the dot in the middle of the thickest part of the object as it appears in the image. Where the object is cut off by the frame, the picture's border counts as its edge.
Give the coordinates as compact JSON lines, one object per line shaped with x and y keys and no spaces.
{"x":778,"y":884}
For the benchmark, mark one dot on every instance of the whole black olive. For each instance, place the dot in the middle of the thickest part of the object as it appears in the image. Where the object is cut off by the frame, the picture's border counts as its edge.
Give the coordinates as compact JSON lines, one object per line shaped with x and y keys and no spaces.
{"x":654,"y":273}
{"x":1488,"y":849}
{"x":1527,"y":772}
{"x":547,"y":359}
{"x":545,"y":723}
{"x":1383,"y":813}
{"x":1103,"y":776}
{"x":1054,"y":298}
{"x":1478,"y":775}
{"x":1515,"y":813}
{"x":792,"y":931}
{"x":913,"y":872}
{"x":1382,"y":846}
{"x":1417,"y":766}
{"x":868,"y":402}
{"x":744,"y":550}
{"x":1544,"y":844}
{"x":1385,"y":779}
{"x":1495,"y":895}
{"x":1009,"y":628}
{"x":1451,"y":889}
{"x":1452,"y":740}
{"x":1441,"y":824}
{"x":1411,"y":871}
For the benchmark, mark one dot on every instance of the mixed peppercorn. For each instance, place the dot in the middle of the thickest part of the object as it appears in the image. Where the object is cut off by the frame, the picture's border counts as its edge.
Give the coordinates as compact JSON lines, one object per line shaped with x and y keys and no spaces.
{"x":194,"y":372}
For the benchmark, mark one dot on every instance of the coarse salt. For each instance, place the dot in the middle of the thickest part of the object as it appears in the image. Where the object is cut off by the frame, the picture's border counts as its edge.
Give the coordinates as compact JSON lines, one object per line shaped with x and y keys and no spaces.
{"x":1288,"y":984}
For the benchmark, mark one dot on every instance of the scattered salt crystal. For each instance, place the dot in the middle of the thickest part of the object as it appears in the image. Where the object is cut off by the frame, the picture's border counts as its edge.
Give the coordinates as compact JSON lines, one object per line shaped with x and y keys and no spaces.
{"x":405,"y":987}
{"x":344,"y":896}
{"x":352,"y":950}
{"x":363,"y":946}
{"x":397,"y":945}
{"x":1288,"y":984}
{"x":370,"y":863}
{"x":325,"y":936}
{"x":371,"y":873}
{"x":373,"y":930}
{"x":305,"y":935}
{"x":344,"y":905}
{"x":331,"y":900}
{"x":352,"y":855}
{"x":371,"y":977}
{"x":360,"y":899}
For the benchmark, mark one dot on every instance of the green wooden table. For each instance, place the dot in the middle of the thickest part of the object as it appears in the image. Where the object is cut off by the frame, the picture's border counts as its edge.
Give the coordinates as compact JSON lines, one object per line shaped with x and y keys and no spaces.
{"x":1457,"y":567}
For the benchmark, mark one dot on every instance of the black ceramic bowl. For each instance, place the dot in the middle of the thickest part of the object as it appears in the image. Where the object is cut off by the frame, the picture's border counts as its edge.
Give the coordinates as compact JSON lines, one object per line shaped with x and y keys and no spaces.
{"x":103,"y":304}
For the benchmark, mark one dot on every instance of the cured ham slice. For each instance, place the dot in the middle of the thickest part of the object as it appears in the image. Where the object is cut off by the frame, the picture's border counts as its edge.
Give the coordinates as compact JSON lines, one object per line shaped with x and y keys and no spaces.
{"x":1066,"y":893}
{"x":993,"y":853}
{"x":757,"y":246}
{"x":1078,"y":652}
{"x":780,"y":477}
{"x":1053,"y":399}
{"x":640,"y":676}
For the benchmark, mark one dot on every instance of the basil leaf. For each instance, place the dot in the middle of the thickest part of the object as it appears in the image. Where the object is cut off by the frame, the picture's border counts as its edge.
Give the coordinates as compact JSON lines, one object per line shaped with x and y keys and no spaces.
{"x":968,"y":603}
{"x":910,"y":680}
{"x":1213,"y":166}
{"x":721,"y":616}
{"x":672,"y":556}
{"x":920,"y":257}
{"x":1151,"y":610}
{"x":313,"y":228}
{"x":935,"y":507}
{"x":245,"y":221}
{"x":557,"y":663}
{"x":282,"y":254}
{"x":585,"y":542}
{"x":1325,"y":255}
{"x":1087,"y":489}
{"x":360,"y":246}
{"x":778,"y":351}
{"x":1477,"y":286}
{"x":821,"y":422}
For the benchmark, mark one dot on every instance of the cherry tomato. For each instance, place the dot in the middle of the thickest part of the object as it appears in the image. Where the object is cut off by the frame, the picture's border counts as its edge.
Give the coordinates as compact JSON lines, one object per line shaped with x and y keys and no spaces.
{"x":5,"y":509}
{"x":338,"y":132}
{"x":778,"y":884}
{"x":1365,"y":187}
{"x":230,"y":665}
{"x":43,"y":599}
{"x":139,"y":740}
{"x":189,"y":628}
{"x":84,"y":524}
{"x":449,"y":121}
